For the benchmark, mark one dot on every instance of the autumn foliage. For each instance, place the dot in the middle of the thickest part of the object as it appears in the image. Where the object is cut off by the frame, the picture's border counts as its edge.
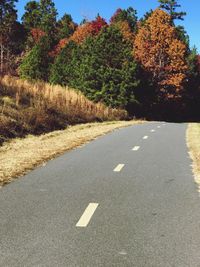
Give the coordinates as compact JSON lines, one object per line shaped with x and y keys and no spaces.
{"x":82,"y":32}
{"x":126,"y":31}
{"x":161,"y":53}
{"x":37,"y":34}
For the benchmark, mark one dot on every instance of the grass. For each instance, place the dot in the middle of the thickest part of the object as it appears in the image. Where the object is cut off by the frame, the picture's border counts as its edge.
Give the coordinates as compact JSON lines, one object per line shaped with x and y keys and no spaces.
{"x":19,"y":156}
{"x":193,"y":142}
{"x":37,"y":108}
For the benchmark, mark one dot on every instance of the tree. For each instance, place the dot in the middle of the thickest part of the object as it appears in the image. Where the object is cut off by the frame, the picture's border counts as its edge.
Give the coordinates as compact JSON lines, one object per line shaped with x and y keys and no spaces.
{"x":170,"y":6}
{"x":88,"y":29}
{"x":81,"y":34}
{"x":8,"y":17}
{"x":40,"y":15}
{"x":65,"y":27}
{"x":35,"y":64}
{"x":162,"y":54}
{"x":102,"y":68}
{"x":48,"y":17}
{"x":32,"y":16}
{"x":129,"y":15}
{"x":62,"y":71}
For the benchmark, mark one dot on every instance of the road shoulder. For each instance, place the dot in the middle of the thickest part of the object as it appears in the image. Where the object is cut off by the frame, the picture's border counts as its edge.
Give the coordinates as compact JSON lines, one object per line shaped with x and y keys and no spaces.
{"x":19,"y":156}
{"x":193,"y":142}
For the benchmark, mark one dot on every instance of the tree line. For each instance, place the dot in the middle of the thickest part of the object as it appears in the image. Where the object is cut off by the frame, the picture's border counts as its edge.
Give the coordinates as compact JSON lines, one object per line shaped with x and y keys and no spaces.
{"x":145,"y":65}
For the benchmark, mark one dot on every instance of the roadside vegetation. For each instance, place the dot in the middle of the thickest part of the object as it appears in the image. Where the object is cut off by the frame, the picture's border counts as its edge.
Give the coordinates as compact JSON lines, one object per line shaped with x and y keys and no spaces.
{"x":143,"y":65}
{"x":19,"y":156}
{"x":37,"y":108}
{"x":193,"y":141}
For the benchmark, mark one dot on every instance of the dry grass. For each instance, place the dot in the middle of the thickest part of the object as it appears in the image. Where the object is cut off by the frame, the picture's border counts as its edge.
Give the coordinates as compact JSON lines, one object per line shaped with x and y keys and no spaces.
{"x":19,"y":156}
{"x":193,"y":142}
{"x":67,"y":100}
{"x":37,"y":108}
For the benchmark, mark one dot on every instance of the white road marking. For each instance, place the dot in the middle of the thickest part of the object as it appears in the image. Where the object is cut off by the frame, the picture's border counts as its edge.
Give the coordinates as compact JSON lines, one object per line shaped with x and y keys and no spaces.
{"x":152,"y":131}
{"x":145,"y":137}
{"x":119,"y":168}
{"x":158,"y":126}
{"x":87,"y":215}
{"x":136,"y":148}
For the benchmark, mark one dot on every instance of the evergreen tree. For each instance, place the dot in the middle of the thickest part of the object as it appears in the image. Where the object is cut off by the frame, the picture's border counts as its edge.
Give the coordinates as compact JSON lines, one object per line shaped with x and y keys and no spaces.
{"x":65,"y":27}
{"x":62,"y":71}
{"x":32,"y":16}
{"x":35,"y":64}
{"x":129,"y":15}
{"x":41,"y":15}
{"x":170,"y":6}
{"x":103,"y":68}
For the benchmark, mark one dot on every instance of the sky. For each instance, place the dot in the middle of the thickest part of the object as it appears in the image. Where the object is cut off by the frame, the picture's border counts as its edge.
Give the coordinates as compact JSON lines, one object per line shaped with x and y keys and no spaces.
{"x":90,"y":8}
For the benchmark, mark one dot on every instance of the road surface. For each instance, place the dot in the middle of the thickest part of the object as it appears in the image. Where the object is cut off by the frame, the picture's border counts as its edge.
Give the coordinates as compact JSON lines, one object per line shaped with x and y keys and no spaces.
{"x":125,"y":199}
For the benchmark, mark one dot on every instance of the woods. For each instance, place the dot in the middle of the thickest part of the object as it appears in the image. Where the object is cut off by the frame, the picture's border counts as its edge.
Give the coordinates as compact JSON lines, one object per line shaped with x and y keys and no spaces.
{"x":145,"y":65}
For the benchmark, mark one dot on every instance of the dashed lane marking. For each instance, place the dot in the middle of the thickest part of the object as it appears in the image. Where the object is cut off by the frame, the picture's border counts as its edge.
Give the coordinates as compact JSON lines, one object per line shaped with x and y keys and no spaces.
{"x":119,"y":168}
{"x":135,"y":148}
{"x":87,"y":215}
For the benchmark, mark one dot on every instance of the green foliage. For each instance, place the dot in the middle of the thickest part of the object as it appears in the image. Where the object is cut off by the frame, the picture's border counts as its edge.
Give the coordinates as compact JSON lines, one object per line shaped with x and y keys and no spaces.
{"x":65,"y":27}
{"x":170,"y":6}
{"x":36,"y":64}
{"x":31,"y":18}
{"x":62,"y":71}
{"x":129,"y":15}
{"x":103,"y":69}
{"x":40,"y":15}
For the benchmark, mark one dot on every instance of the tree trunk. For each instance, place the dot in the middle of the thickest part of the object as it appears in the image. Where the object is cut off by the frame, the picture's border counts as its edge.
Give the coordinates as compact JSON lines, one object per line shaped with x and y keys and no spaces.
{"x":1,"y":57}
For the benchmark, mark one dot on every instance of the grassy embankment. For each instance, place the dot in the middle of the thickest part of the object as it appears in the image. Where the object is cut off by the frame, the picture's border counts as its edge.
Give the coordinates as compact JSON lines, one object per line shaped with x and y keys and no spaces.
{"x":38,"y":112}
{"x":27,"y":108}
{"x":193,"y":142}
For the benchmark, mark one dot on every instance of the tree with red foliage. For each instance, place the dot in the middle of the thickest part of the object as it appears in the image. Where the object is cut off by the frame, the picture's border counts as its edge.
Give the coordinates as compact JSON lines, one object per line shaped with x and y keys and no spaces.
{"x":82,"y":32}
{"x":37,"y":34}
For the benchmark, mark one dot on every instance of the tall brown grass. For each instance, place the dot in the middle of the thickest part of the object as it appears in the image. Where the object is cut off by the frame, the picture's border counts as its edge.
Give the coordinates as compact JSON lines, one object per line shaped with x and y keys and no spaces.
{"x":69,"y":101}
{"x":39,"y":107}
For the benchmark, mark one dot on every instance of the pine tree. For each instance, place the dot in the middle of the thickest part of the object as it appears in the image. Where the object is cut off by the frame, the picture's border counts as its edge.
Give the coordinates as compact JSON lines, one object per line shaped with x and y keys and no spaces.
{"x":62,"y":71}
{"x":32,"y":16}
{"x":170,"y":6}
{"x":102,"y":68}
{"x":40,"y":15}
{"x":129,"y":15}
{"x":65,"y":27}
{"x":36,"y":63}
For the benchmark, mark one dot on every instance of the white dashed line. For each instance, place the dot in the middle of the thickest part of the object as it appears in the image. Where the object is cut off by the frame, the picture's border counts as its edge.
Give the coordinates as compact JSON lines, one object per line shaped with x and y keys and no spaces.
{"x":87,"y":215}
{"x":158,"y":126}
{"x":152,"y":131}
{"x":135,"y":148}
{"x":145,"y":137}
{"x":119,"y":168}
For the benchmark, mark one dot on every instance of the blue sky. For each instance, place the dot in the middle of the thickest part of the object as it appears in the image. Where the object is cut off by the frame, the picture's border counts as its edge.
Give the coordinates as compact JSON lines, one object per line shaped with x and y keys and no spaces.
{"x":89,"y":8}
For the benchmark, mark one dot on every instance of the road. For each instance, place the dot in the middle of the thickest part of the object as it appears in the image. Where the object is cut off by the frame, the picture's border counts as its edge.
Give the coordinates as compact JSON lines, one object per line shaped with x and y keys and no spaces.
{"x":125,"y":199}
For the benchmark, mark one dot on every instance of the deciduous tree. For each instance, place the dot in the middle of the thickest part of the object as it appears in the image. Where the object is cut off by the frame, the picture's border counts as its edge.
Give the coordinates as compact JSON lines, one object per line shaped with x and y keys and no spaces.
{"x":162,"y":54}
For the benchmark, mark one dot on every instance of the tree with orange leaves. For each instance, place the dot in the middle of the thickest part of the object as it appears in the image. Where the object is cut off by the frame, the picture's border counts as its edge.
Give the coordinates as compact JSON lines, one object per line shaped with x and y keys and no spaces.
{"x":88,"y":29}
{"x":81,"y":34}
{"x":162,"y":54}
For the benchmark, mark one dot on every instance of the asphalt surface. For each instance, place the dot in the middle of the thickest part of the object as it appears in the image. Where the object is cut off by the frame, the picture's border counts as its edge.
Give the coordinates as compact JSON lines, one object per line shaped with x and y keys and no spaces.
{"x":147,"y":213}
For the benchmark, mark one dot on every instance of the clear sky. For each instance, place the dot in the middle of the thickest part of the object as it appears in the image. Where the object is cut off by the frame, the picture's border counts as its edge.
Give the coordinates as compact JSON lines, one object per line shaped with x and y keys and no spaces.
{"x":89,"y":8}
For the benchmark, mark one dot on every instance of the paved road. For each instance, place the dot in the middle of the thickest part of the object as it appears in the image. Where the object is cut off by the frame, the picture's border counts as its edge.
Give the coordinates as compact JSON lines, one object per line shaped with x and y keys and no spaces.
{"x":84,"y":209}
